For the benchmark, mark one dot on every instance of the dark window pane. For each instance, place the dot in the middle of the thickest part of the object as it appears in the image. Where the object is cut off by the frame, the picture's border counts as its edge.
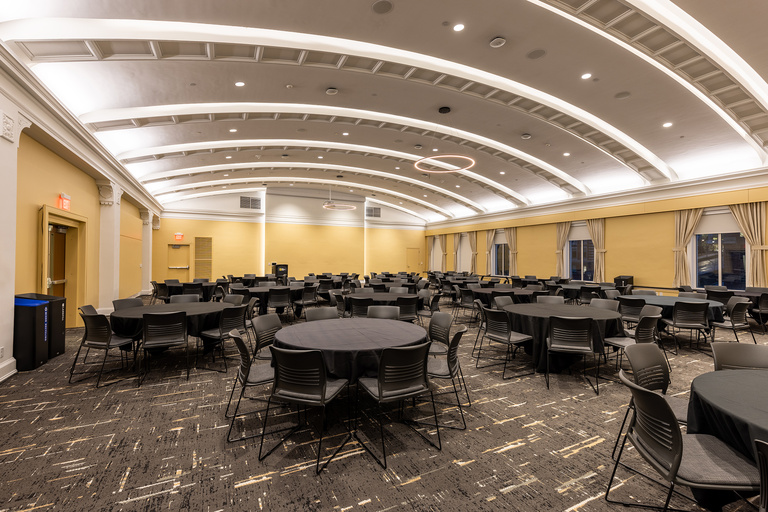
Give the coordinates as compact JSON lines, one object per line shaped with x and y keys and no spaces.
{"x":588,"y":261}
{"x":575,"y":252}
{"x":707,"y":265}
{"x":732,"y":261}
{"x":502,"y":259}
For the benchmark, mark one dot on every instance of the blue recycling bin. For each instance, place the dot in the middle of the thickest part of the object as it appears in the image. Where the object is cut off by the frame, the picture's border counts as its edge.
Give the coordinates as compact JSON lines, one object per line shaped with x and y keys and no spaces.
{"x":30,"y":333}
{"x":57,"y":317}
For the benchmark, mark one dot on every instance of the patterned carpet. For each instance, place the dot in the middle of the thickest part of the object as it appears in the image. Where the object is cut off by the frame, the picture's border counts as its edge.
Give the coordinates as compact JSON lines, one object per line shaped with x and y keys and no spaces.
{"x":162,"y":446}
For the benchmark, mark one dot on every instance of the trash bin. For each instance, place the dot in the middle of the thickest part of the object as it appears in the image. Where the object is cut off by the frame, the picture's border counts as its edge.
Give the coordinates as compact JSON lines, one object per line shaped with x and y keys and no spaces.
{"x":30,"y":333}
{"x":57,"y":317}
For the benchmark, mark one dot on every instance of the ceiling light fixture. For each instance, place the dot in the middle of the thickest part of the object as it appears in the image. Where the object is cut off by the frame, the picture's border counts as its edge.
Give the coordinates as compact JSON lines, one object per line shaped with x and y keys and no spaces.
{"x":467,"y":163}
{"x":458,"y":27}
{"x":502,"y":172}
{"x":330,"y":204}
{"x":667,"y":124}
{"x":345,"y":134}
{"x":586,"y":76}
{"x":239,"y":84}
{"x":228,"y":157}
{"x":232,"y":130}
{"x":566,"y":154}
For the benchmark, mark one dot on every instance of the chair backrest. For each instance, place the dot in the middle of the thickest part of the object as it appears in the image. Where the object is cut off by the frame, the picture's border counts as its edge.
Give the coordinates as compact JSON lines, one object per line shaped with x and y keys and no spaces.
{"x":503,"y":300}
{"x":570,"y":333}
{"x":690,"y":313}
{"x":609,"y":304}
{"x":133,"y":302}
{"x":738,"y":313}
{"x":649,"y":367}
{"x":403,"y":371}
{"x":164,"y":329}
{"x":245,"y":357}
{"x":630,"y":307}
{"x":360,"y":304}
{"x":251,"y":308}
{"x":175,"y":299}
{"x":761,"y":451}
{"x":550,"y":299}
{"x":762,"y":302}
{"x":646,"y":330}
{"x":612,"y":294}
{"x":309,"y":293}
{"x":326,"y":313}
{"x":739,"y":356}
{"x":279,"y":296}
{"x":242,"y":291}
{"x":715,"y":287}
{"x":733,"y":301}
{"x":192,"y":288}
{"x":398,"y":289}
{"x":219,"y":293}
{"x":692,"y":295}
{"x":408,"y":307}
{"x":341,"y":305}
{"x":232,"y":318}
{"x":233,"y":298}
{"x":386,"y":312}
{"x":97,"y":328}
{"x":719,"y":295}
{"x":439,"y":327}
{"x":535,"y":287}
{"x":453,"y":351}
{"x":299,"y":374}
{"x":171,"y":281}
{"x":589,"y":292}
{"x":644,"y":292}
{"x":654,"y":430}
{"x":87,"y":309}
{"x":497,"y":323}
{"x":265,"y":327}
{"x":467,"y":297}
{"x":650,"y":310}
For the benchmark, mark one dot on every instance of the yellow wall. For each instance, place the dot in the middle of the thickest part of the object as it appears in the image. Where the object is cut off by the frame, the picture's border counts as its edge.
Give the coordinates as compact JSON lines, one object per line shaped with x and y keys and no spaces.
{"x":130,"y":249}
{"x":236,"y":246}
{"x":536,"y":250}
{"x":317,"y":249}
{"x":42,"y":176}
{"x":385,"y":249}
{"x":641,"y":246}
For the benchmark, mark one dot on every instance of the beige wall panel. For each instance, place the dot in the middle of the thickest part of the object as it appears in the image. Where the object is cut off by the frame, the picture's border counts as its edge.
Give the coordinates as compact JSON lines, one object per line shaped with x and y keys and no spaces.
{"x":236,"y":245}
{"x":385,"y":249}
{"x":307,"y":248}
{"x":130,"y":249}
{"x":536,"y":250}
{"x":641,"y":246}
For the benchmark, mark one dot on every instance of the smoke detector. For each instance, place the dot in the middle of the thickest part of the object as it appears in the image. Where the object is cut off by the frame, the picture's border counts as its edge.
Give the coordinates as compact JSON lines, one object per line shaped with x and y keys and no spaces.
{"x":497,"y":42}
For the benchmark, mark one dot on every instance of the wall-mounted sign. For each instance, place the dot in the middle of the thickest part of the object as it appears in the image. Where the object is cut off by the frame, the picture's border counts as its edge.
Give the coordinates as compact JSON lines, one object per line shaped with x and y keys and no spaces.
{"x":178,"y":236}
{"x":64,"y":202}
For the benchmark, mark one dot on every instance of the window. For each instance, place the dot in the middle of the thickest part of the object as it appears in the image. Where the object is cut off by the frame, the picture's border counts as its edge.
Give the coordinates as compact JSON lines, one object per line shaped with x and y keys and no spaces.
{"x":501,"y":259}
{"x":721,"y":260}
{"x":582,"y":258}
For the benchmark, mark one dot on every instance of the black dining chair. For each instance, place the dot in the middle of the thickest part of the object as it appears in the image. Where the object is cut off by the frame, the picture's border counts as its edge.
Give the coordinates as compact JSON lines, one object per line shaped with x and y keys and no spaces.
{"x":133,"y":302}
{"x":498,"y":329}
{"x":265,"y":327}
{"x":195,"y":288}
{"x":324,"y":313}
{"x":359,"y":305}
{"x":575,"y":336}
{"x":690,"y":316}
{"x":163,"y":331}
{"x":761,"y":450}
{"x":408,"y":307}
{"x":98,"y":335}
{"x":738,"y":356}
{"x":232,"y":318}
{"x":186,"y":298}
{"x":383,"y":312}
{"x":279,"y":298}
{"x":449,"y":367}
{"x":736,"y":318}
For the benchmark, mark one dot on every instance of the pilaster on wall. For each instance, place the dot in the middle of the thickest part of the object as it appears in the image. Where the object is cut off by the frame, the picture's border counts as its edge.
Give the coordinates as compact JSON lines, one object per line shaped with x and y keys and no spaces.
{"x":148,"y":224}
{"x":109,"y":244}
{"x":12,"y":122}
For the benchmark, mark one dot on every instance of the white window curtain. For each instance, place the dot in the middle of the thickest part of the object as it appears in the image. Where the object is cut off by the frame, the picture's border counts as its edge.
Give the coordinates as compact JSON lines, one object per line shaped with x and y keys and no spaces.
{"x":472,"y":236}
{"x":596,"y":228}
{"x":430,"y":241}
{"x":751,"y":220}
{"x":444,"y":249}
{"x":456,"y":248}
{"x":563,"y":228}
{"x":511,"y":234}
{"x":489,"y":236}
{"x":685,"y":224}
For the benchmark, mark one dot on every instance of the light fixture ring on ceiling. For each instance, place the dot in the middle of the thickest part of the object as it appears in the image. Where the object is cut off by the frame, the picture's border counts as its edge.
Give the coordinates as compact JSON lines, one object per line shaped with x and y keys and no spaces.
{"x":330,"y":204}
{"x":468,"y":163}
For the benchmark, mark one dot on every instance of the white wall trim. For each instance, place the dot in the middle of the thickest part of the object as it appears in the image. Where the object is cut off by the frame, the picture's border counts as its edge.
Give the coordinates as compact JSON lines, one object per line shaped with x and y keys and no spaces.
{"x":281,"y":219}
{"x":8,"y":369}
{"x":223,"y":217}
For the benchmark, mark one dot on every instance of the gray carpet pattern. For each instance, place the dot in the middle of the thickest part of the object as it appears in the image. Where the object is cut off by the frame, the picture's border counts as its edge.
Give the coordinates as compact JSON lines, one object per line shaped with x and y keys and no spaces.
{"x":162,"y":446}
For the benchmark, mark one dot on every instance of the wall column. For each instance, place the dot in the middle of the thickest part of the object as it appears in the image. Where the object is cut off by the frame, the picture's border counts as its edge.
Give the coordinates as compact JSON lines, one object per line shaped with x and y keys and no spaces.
{"x":109,"y":244}
{"x":147,"y":218}
{"x":11,"y":123}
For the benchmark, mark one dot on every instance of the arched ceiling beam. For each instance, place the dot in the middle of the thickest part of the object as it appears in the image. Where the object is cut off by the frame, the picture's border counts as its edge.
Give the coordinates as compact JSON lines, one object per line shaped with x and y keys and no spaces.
{"x":149,"y":180}
{"x":623,"y":148}
{"x":131,"y":118}
{"x":156,"y":153}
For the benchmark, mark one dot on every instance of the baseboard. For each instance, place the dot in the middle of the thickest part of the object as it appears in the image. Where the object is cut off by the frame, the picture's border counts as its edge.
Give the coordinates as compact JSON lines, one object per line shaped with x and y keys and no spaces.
{"x":8,"y":369}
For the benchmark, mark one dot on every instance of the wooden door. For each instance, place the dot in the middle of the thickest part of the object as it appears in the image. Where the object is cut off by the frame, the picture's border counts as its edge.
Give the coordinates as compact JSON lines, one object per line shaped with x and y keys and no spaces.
{"x":57,"y":246}
{"x":413,"y":260}
{"x":178,"y":262}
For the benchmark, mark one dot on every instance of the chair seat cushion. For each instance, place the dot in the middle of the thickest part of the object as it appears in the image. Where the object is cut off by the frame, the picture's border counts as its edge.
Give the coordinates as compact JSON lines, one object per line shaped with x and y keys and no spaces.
{"x":332,"y":388}
{"x":707,"y":461}
{"x":679,"y":407}
{"x":260,"y":374}
{"x":619,"y":341}
{"x":371,"y":385}
{"x":728,"y":325}
{"x":438,"y":367}
{"x":438,"y":348}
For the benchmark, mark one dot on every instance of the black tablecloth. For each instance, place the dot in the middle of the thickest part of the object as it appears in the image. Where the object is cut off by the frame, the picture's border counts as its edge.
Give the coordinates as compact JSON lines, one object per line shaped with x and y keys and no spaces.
{"x":533,"y":319}
{"x":571,"y":291}
{"x":262,"y":292}
{"x":351,"y":346}
{"x":667,"y":304}
{"x":176,"y":289}
{"x":485,"y":294}
{"x":200,"y":316}
{"x":731,"y":405}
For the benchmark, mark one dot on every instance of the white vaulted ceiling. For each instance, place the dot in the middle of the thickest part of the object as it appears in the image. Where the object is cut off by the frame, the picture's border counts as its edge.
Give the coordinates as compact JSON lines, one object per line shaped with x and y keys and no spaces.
{"x":154,"y":83}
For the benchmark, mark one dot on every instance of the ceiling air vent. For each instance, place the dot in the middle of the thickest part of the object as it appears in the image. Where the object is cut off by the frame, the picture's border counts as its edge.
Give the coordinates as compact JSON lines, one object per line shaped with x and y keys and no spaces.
{"x":372,"y":211}
{"x":251,"y":203}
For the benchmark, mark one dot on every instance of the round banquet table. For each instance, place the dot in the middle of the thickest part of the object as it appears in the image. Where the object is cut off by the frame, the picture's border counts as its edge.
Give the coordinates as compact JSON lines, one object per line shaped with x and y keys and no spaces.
{"x":178,"y":289}
{"x":667,"y":304}
{"x":731,"y":405}
{"x":571,"y":291}
{"x":486,"y":294}
{"x":533,"y":319}
{"x":200,"y":316}
{"x":379,"y":298}
{"x":351,"y":347}
{"x":262,"y":292}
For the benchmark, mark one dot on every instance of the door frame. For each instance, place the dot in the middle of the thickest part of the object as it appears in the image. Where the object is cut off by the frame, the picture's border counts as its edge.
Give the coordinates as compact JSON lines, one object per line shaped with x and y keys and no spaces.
{"x":75,"y":272}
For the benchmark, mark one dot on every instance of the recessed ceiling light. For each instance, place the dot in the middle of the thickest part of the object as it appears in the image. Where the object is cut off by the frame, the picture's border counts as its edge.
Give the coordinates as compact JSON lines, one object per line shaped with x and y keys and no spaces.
{"x":401,"y":202}
{"x":290,"y":184}
{"x":586,"y":76}
{"x":502,"y":172}
{"x":345,"y":134}
{"x":566,"y":154}
{"x":458,"y":27}
{"x":230,"y":156}
{"x":458,"y":186}
{"x":232,"y":130}
{"x":434,"y":149}
{"x":351,"y":190}
{"x":425,"y":195}
{"x":226,"y":175}
{"x":397,"y":168}
{"x":667,"y":124}
{"x":239,"y":84}
{"x":320,"y":157}
{"x":223,"y":187}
